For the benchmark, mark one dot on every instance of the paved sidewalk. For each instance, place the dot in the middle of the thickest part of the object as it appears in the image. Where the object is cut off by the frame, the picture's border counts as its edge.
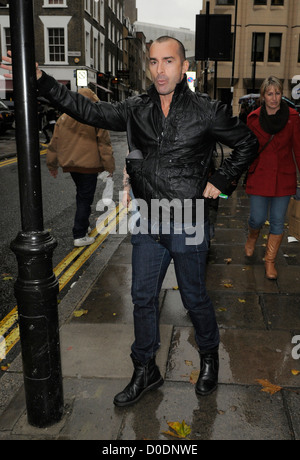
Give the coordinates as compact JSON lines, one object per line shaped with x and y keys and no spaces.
{"x":258,"y":319}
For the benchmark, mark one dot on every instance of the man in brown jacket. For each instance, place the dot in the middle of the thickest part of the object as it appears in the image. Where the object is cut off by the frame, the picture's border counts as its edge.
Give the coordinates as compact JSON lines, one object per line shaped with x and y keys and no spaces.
{"x":83,"y":151}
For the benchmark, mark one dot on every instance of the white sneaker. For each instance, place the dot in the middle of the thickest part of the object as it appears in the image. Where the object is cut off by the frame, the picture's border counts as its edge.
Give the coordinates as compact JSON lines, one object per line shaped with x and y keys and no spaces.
{"x":85,"y":241}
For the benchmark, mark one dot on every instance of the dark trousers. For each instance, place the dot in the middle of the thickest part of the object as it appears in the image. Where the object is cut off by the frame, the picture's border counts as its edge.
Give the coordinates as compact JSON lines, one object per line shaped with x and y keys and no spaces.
{"x":85,"y":191}
{"x":151,"y":257}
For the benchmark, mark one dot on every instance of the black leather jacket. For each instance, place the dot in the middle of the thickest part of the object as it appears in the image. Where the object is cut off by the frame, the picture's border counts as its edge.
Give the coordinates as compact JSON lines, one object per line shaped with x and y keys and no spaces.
{"x":175,"y":148}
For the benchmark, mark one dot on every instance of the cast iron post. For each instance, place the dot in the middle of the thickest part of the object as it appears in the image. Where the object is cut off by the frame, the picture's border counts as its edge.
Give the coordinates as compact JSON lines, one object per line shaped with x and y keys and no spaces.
{"x":36,"y":287}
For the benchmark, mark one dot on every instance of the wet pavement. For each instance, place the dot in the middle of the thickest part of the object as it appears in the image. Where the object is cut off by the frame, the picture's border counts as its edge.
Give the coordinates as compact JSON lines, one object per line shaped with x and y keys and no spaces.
{"x":258,"y":320}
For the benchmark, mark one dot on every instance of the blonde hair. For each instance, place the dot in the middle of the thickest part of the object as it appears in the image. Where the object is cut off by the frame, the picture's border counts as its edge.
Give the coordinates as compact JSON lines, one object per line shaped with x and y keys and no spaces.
{"x":270,"y":81}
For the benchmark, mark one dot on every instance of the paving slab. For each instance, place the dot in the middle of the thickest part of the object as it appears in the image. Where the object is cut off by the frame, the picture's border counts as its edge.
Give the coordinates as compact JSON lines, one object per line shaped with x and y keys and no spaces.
{"x":245,"y":356}
{"x":241,"y":278}
{"x":282,"y":311}
{"x":231,"y":413}
{"x":233,"y":310}
{"x":103,"y":350}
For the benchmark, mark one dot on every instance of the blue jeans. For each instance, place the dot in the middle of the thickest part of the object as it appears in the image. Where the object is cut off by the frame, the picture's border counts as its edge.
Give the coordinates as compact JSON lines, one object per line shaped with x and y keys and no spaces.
{"x":151,"y":257}
{"x":259,"y":210}
{"x":85,"y":191}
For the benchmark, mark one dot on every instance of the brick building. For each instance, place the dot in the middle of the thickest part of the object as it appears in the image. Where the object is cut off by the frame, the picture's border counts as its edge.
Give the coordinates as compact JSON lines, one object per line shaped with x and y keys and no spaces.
{"x":267,"y":43}
{"x":87,"y":35}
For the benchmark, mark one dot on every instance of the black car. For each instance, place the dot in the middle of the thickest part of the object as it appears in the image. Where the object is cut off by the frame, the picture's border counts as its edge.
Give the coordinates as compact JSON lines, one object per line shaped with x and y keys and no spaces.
{"x":6,"y":118}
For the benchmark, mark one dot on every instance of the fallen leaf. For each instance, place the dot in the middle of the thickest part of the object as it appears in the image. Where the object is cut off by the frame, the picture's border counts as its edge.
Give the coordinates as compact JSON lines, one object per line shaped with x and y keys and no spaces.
{"x":228,"y":285}
{"x":268,"y":387}
{"x":242,"y":300}
{"x":175,"y":288}
{"x":222,"y":309}
{"x":188,"y":363}
{"x":5,"y":367}
{"x":265,"y":237}
{"x":7,"y":278}
{"x":228,"y":261}
{"x":194,"y":377}
{"x":79,"y":313}
{"x":295,"y":372}
{"x":181,"y":430}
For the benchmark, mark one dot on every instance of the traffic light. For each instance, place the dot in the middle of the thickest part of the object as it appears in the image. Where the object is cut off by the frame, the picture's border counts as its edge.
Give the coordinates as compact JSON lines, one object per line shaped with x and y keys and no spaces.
{"x":114,"y":81}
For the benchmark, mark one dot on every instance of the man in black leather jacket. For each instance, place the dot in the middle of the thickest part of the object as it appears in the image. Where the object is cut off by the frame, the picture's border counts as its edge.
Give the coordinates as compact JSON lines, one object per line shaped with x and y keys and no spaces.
{"x":171,"y":133}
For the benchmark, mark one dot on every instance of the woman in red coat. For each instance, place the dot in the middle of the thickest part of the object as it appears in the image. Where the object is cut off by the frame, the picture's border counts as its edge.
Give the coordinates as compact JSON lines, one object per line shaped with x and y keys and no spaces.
{"x":272,"y":177}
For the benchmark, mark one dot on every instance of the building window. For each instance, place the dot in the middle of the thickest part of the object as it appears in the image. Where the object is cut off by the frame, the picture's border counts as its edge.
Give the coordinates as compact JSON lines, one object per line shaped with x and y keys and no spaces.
{"x":56,"y":40}
{"x":102,"y":9}
{"x":87,"y":6}
{"x":55,"y":3}
{"x":258,"y":42}
{"x":274,"y":47}
{"x":260,"y":2}
{"x":277,"y":2}
{"x":225,"y":2}
{"x":7,"y":39}
{"x":95,"y":10}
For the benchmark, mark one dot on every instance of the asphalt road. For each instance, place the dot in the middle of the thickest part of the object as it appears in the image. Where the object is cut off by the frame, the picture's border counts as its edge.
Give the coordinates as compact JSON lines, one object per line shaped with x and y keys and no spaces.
{"x":58,"y":211}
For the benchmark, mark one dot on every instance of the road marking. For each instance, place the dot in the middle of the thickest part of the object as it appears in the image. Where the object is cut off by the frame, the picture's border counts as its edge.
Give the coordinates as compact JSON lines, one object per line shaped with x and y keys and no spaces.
{"x":12,"y":336}
{"x":15,"y":159}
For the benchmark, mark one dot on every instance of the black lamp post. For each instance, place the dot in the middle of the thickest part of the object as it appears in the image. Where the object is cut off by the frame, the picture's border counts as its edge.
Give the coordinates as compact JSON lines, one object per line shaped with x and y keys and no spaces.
{"x":36,"y":287}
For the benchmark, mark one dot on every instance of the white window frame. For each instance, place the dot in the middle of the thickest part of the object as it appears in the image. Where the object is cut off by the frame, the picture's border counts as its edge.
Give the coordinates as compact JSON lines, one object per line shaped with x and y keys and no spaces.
{"x":49,"y":5}
{"x":87,"y":42}
{"x":96,"y":43}
{"x":102,"y":53}
{"x":55,"y":22}
{"x":4,"y":25}
{"x":102,"y":5}
{"x":87,"y":6}
{"x":96,"y":10}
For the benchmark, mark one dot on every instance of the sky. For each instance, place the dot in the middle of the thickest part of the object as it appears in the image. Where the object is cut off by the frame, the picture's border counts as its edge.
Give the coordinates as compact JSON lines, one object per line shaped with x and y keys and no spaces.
{"x":171,"y":13}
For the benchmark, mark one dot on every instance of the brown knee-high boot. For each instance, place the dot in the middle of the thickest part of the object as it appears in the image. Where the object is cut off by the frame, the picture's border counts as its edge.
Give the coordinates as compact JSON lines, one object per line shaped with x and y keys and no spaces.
{"x":251,"y":241}
{"x":274,"y":242}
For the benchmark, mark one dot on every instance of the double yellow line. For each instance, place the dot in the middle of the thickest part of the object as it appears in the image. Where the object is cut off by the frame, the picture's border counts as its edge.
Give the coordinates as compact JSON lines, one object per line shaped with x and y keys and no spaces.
{"x":10,"y":161}
{"x":74,"y":261}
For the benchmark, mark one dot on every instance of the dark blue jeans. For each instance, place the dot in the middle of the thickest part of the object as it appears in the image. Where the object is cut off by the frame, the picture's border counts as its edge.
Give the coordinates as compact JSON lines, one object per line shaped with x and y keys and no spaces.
{"x":151,"y":257}
{"x":85,"y":191}
{"x":260,"y":206}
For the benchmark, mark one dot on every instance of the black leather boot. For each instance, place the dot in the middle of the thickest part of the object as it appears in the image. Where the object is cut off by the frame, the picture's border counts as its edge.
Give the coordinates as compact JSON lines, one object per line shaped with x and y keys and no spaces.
{"x":209,"y":370}
{"x":145,"y":377}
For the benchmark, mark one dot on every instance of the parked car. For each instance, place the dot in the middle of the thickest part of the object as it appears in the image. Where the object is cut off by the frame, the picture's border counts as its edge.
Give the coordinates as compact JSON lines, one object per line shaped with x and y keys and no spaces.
{"x":6,"y":118}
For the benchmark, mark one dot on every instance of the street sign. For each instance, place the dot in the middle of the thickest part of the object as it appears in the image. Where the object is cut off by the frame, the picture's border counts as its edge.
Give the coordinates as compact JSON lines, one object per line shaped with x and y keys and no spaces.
{"x":82,"y":77}
{"x":191,"y":77}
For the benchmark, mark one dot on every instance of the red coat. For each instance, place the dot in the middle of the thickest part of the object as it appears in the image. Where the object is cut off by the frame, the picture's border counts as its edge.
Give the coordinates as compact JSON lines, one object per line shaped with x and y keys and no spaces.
{"x":274,"y":173}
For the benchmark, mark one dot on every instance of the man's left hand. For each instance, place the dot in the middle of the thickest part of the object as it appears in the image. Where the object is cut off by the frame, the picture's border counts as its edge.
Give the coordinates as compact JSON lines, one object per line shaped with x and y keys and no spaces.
{"x":211,"y":191}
